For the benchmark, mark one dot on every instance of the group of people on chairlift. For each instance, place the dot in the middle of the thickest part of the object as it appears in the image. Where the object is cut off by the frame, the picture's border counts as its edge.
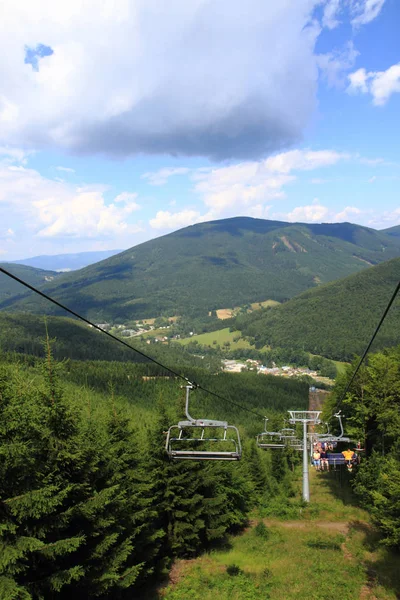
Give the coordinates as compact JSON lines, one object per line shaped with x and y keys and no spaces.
{"x":321,"y":459}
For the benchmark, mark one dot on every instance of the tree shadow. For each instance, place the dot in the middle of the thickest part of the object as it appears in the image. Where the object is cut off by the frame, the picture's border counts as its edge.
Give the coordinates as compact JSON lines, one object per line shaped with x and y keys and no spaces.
{"x":339,"y":484}
{"x":383,"y":571}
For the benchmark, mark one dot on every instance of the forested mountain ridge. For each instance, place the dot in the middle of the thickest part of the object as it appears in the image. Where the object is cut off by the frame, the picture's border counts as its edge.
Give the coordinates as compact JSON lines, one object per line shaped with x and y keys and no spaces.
{"x":335,"y":320}
{"x":37,"y":277}
{"x":216,"y":264}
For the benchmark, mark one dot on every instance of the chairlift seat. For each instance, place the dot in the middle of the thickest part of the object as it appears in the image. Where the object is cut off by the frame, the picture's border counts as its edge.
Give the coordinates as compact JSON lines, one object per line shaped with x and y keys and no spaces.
{"x":182,"y":442}
{"x":270,"y":439}
{"x":174,"y":443}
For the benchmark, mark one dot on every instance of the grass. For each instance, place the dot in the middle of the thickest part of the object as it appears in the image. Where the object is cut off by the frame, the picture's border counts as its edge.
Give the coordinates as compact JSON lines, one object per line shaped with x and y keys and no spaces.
{"x":328,"y":551}
{"x":340,"y":366}
{"x":227,"y":313}
{"x":221,"y":336}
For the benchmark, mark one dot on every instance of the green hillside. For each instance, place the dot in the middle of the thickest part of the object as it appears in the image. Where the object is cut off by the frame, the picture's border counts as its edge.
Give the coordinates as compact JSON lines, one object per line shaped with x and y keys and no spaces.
{"x":23,"y":333}
{"x":335,"y":320}
{"x":221,"y":263}
{"x":10,"y":288}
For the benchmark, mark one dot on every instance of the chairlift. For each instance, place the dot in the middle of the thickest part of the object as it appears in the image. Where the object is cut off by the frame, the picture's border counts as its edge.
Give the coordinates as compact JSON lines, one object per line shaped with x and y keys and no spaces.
{"x":328,"y":437}
{"x":188,"y":439}
{"x":270,"y":439}
{"x":296,"y":444}
{"x":287,"y":433}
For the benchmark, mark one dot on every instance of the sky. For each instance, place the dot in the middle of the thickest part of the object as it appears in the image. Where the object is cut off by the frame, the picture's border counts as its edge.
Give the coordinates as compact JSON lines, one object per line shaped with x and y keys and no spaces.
{"x":124,"y":120}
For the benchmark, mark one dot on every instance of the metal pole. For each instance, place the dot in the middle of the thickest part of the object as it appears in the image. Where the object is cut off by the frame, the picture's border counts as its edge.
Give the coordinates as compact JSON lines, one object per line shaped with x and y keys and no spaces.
{"x":306,"y":488}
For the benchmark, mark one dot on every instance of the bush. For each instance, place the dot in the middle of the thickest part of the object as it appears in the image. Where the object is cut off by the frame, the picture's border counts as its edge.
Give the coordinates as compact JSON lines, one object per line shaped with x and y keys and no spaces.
{"x":233,"y":570}
{"x":262,"y":530}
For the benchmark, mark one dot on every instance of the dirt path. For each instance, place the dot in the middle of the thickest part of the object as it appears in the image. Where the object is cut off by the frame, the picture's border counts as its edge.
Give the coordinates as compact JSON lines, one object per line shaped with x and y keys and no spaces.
{"x":338,"y":526}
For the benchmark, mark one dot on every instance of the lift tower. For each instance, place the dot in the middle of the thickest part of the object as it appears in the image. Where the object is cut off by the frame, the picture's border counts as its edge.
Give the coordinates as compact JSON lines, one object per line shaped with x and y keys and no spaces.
{"x":305,"y":417}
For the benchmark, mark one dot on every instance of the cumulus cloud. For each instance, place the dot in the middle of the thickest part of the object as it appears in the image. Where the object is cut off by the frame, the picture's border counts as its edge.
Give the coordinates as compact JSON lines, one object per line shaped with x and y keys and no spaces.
{"x":244,"y":186}
{"x":167,"y":220}
{"x":161,"y":176}
{"x":346,"y":213}
{"x":52,"y":209}
{"x":221,"y":79}
{"x":380,"y":84}
{"x":313,"y":213}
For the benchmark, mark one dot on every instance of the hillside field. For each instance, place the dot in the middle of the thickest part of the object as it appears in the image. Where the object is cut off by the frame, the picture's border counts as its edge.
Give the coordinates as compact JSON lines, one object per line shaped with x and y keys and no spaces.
{"x":220,"y":337}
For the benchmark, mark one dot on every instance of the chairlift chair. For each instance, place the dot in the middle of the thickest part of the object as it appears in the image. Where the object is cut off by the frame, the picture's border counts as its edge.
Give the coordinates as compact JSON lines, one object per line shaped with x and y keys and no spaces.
{"x":287,"y":433}
{"x":270,"y":439}
{"x":296,"y":444}
{"x":187,"y":440}
{"x":328,"y":437}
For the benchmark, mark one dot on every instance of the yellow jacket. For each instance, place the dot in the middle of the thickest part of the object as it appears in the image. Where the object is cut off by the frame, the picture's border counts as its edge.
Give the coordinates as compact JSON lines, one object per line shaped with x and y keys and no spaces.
{"x":348,"y":454}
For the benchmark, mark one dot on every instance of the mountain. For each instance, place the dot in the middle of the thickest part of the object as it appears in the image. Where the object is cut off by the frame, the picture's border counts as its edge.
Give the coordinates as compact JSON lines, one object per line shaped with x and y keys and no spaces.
{"x":335,"y":320}
{"x":66,"y":262}
{"x":10,"y":288}
{"x":217,"y":264}
{"x":394,"y":231}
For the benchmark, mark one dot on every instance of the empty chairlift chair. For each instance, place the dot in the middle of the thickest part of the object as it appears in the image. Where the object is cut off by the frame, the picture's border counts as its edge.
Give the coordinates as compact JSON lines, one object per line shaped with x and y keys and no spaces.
{"x":287,"y":434}
{"x":328,"y":437}
{"x":202,"y":439}
{"x":270,"y":439}
{"x":296,"y":444}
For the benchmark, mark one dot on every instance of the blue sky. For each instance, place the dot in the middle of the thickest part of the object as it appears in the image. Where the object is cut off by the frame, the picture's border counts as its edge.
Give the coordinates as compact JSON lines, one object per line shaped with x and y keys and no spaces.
{"x":122,"y":121}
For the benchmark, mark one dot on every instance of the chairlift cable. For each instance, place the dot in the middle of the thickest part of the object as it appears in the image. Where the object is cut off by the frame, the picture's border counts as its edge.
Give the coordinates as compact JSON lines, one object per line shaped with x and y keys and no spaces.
{"x":75,"y":314}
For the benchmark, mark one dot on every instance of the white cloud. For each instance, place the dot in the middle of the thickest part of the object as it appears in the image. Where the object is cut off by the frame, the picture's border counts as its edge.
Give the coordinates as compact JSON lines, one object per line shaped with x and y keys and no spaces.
{"x":372,"y":162}
{"x":304,"y":160}
{"x":333,"y":65}
{"x":240,"y":188}
{"x":161,"y":176}
{"x":220,"y":79}
{"x":313,"y":213}
{"x":372,"y":179}
{"x":385,"y":219}
{"x":381,"y":84}
{"x":365,"y":11}
{"x":358,"y":82}
{"x":361,"y":12}
{"x":129,"y":201}
{"x":331,"y":11}
{"x":65,"y":169}
{"x":48,"y":208}
{"x":346,"y":212}
{"x":167,"y":220}
{"x":12,"y":155}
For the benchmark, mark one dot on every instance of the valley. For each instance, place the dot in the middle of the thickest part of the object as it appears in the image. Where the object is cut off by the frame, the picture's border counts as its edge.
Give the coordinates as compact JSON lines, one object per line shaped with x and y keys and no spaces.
{"x":240,"y":528}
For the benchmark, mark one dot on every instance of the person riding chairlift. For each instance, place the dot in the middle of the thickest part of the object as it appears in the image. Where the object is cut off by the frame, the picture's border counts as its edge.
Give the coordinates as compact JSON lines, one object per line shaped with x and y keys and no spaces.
{"x":349,"y":458}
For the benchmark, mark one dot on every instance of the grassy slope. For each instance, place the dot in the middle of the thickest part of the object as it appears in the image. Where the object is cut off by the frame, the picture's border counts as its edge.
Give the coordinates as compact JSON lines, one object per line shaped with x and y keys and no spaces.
{"x":332,"y":554}
{"x":335,"y":320}
{"x":221,"y":336}
{"x":10,"y":288}
{"x":222,"y":263}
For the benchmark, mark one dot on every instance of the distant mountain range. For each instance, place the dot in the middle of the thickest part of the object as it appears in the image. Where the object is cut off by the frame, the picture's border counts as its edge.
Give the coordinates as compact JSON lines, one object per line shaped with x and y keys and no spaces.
{"x":213,"y":265}
{"x":66,"y":262}
{"x":335,"y":320}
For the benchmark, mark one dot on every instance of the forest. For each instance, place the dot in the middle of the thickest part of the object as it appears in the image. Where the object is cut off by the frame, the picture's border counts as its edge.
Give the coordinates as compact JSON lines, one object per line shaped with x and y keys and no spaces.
{"x":335,"y":320}
{"x":91,"y":506}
